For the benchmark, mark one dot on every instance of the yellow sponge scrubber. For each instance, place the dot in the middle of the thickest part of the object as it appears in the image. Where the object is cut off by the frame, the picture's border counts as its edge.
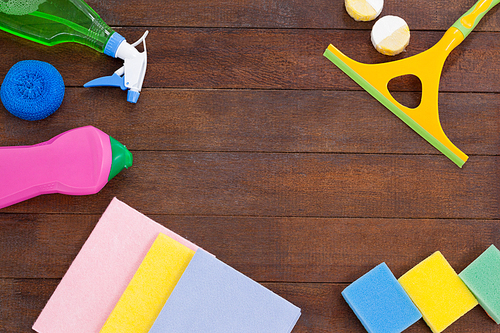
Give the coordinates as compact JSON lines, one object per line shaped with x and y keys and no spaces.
{"x":438,"y":292}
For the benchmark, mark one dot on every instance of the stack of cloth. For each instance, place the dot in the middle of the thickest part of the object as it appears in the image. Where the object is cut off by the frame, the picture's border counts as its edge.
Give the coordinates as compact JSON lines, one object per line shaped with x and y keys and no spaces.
{"x":134,"y":275}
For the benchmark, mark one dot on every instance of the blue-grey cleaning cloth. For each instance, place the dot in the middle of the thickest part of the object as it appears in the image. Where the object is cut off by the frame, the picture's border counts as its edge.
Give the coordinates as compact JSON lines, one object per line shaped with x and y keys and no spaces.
{"x":32,"y":90}
{"x":212,"y":297}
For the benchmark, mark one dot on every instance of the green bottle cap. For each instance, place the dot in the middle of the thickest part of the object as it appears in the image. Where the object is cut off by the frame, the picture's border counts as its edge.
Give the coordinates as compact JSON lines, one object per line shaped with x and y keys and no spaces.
{"x":122,"y":158}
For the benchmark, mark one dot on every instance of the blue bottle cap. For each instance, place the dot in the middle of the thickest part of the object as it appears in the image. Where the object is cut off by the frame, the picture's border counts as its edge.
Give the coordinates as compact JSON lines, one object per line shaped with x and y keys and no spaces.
{"x":113,"y":43}
{"x":132,"y":96}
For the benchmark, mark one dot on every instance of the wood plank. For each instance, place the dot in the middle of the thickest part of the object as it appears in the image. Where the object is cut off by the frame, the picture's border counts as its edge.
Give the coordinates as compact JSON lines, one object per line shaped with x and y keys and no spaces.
{"x":323,"y":185}
{"x":263,"y":121}
{"x":318,"y":14}
{"x":251,"y":144}
{"x":312,"y":250}
{"x":22,"y":301}
{"x":323,"y":309}
{"x":259,"y":59}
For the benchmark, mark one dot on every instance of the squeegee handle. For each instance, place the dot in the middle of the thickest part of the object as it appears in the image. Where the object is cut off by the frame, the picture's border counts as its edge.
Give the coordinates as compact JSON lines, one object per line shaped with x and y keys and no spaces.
{"x":467,"y":22}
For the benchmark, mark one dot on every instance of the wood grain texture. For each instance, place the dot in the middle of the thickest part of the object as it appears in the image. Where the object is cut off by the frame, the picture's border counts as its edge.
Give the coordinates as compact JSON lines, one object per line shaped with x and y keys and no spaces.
{"x":26,"y":298}
{"x":251,"y":144}
{"x":305,"y":184}
{"x":272,"y":121}
{"x":318,"y":14}
{"x":229,"y":58}
{"x":271,"y":249}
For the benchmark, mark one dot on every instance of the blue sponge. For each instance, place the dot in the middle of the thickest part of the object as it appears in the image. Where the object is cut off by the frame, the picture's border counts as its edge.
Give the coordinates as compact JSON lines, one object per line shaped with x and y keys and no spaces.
{"x":380,"y":302}
{"x":32,"y":90}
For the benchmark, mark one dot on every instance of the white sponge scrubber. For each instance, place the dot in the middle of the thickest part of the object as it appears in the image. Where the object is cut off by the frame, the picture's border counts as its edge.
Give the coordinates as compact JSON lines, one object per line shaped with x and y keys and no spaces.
{"x":390,"y":35}
{"x":364,"y":10}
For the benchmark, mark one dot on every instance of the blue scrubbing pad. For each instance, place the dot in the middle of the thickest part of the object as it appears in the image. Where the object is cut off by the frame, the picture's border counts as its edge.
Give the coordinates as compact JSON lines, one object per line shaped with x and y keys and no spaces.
{"x":32,"y":90}
{"x":380,"y":302}
{"x":482,"y":277}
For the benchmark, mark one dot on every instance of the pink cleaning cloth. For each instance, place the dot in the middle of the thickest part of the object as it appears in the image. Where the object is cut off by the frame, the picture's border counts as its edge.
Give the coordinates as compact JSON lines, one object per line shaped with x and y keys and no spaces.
{"x":101,"y":271}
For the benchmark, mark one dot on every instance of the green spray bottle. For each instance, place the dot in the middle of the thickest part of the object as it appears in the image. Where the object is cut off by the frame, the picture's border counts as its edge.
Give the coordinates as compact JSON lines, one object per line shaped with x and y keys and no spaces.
{"x":51,"y":22}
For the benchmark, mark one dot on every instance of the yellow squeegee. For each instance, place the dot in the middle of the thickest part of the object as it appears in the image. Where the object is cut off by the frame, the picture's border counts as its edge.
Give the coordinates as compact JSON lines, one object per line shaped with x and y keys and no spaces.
{"x":427,"y":66}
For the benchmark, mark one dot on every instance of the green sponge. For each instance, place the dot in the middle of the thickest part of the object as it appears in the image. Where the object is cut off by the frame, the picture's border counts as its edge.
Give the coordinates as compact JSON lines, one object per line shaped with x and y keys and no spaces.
{"x":482,"y":277}
{"x":438,"y":292}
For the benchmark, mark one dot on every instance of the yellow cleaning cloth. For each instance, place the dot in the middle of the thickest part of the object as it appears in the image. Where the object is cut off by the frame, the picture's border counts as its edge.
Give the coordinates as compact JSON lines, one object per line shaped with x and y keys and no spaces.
{"x":438,"y":292}
{"x":149,"y":289}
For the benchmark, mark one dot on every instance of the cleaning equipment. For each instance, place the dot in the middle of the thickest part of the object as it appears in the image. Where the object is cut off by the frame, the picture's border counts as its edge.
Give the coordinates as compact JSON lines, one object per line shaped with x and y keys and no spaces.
{"x":482,"y":277}
{"x":213,"y":297}
{"x":32,"y":90}
{"x":77,"y":162}
{"x":149,"y":289}
{"x":59,"y":21}
{"x":438,"y":292}
{"x":102,"y":270}
{"x":380,"y":303}
{"x":364,"y":10}
{"x":390,"y":35}
{"x":427,"y":66}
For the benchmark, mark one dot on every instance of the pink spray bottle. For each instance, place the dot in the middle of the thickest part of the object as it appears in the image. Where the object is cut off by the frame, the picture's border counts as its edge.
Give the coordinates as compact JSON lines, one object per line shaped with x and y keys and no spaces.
{"x":77,"y":162}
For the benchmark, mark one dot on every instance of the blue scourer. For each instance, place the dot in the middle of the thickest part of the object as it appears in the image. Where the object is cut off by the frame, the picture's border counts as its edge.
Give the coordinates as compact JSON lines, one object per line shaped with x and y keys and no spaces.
{"x":380,"y":302}
{"x":32,"y":90}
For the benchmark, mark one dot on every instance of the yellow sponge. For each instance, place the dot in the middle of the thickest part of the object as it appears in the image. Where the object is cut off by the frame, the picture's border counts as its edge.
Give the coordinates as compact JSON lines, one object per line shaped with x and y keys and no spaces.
{"x":438,"y":292}
{"x":149,"y":289}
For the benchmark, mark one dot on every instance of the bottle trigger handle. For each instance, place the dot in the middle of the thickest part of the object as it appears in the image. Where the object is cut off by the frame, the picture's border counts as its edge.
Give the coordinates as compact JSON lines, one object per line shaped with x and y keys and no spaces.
{"x":131,"y":75}
{"x":107,"y":81}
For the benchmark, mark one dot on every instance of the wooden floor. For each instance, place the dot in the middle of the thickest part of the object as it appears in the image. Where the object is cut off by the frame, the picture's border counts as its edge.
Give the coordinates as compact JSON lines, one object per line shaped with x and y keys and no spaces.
{"x":251,"y":144}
